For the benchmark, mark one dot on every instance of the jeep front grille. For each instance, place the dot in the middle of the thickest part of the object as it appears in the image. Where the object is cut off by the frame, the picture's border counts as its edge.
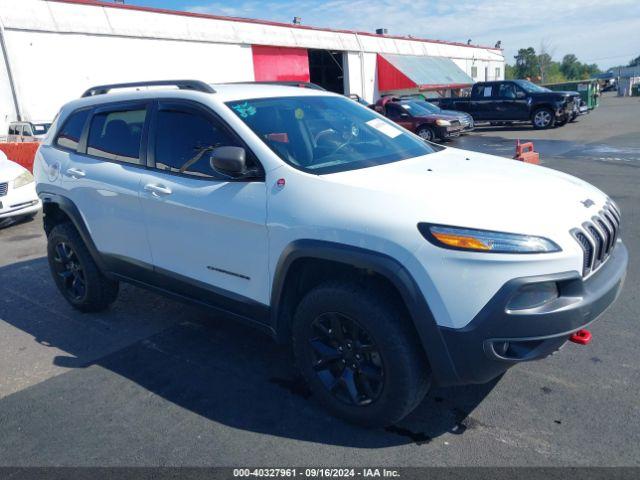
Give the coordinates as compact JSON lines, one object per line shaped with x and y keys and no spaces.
{"x":597,"y":237}
{"x":3,"y":189}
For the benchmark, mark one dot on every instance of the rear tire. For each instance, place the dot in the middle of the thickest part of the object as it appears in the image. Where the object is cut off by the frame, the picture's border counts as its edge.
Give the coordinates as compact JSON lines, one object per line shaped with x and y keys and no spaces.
{"x":543,"y":118}
{"x":75,"y":273}
{"x":359,"y":354}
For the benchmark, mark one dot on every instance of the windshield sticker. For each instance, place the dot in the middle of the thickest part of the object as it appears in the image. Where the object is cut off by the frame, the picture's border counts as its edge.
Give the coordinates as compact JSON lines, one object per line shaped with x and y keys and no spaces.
{"x":384,"y":127}
{"x":245,"y":110}
{"x":299,"y":113}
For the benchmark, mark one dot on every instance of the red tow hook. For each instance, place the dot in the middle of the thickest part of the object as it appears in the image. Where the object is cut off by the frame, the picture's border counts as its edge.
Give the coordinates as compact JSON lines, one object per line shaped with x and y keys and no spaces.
{"x":582,"y":337}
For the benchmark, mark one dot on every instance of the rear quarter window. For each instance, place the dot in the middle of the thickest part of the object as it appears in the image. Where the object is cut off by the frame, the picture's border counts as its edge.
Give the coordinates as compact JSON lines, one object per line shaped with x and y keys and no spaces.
{"x":70,"y":133}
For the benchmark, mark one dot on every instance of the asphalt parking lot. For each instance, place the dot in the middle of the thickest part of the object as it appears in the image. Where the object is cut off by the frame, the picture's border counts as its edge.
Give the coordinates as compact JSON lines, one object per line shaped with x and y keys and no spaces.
{"x":153,"y":382}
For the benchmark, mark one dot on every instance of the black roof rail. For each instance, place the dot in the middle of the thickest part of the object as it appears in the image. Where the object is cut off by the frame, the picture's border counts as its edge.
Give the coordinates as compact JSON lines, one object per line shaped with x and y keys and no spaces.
{"x":195,"y":85}
{"x":310,"y":85}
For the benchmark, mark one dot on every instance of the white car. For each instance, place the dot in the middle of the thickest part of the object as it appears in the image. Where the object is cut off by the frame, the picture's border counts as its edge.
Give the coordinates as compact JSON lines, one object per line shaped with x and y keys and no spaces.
{"x":18,"y":196}
{"x":389,"y":263}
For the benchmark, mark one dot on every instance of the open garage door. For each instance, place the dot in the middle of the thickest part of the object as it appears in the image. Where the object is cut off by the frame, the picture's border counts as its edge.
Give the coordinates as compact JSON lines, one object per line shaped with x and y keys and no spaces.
{"x":326,"y":69}
{"x":273,"y":64}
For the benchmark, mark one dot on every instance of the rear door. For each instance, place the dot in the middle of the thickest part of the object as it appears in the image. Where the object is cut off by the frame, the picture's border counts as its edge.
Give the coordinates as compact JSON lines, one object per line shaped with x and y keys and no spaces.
{"x":204,"y":230}
{"x":102,"y":177}
{"x":482,"y":101}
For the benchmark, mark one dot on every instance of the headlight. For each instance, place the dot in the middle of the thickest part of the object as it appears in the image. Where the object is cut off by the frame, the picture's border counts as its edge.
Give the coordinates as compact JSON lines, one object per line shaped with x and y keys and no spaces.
{"x":443,"y":123}
{"x":458,"y":238}
{"x":23,"y":179}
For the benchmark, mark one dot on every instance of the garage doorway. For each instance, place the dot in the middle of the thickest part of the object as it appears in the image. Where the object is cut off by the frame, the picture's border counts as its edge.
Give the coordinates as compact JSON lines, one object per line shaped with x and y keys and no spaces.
{"x":326,"y":69}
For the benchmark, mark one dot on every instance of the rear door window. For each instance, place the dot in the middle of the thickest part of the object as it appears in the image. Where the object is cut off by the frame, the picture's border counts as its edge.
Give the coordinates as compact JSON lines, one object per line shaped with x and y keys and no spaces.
{"x":117,"y":135}
{"x":70,"y":133}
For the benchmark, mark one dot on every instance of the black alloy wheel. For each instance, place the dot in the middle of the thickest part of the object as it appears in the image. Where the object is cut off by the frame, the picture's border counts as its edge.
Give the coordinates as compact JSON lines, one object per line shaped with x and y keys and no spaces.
{"x":68,"y":267}
{"x":346,"y":359}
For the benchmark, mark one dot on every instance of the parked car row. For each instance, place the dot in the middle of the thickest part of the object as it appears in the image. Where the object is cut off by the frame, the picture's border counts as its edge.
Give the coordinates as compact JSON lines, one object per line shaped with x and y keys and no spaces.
{"x":499,"y":102}
{"x":517,"y":101}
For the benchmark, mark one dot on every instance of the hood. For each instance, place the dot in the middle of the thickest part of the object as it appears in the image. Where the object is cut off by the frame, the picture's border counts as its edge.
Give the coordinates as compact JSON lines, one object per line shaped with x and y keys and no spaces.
{"x":468,"y":189}
{"x":554,"y":94}
{"x":438,"y":116}
{"x":569,"y":93}
{"x":455,"y":113}
{"x":8,"y":169}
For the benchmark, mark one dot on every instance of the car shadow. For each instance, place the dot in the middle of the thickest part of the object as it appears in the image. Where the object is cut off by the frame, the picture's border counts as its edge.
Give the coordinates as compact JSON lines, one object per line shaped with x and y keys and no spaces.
{"x":14,"y":221}
{"x":216,"y":368}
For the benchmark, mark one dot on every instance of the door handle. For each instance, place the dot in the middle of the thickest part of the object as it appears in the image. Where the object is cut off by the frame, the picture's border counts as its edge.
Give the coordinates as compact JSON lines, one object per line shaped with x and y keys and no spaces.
{"x":76,"y":173}
{"x":157,"y":190}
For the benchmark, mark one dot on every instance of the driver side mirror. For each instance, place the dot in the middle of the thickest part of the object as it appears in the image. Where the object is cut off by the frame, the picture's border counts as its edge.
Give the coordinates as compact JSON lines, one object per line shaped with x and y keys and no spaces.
{"x":229,"y":161}
{"x":520,"y":94}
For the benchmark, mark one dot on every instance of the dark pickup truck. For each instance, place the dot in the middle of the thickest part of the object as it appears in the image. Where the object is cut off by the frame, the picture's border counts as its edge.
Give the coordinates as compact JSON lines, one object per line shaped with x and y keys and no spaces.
{"x":516,"y":101}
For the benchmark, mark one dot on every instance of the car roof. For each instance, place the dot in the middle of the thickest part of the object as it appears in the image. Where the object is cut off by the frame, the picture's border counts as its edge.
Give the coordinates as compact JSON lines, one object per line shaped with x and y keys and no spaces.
{"x":224,"y":92}
{"x":241,"y":91}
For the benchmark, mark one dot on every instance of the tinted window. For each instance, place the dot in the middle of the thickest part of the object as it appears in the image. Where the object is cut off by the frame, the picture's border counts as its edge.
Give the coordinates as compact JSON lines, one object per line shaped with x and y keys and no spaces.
{"x":116,"y":135}
{"x":12,"y":130}
{"x":507,"y":90}
{"x":184,"y":139}
{"x":70,"y":133}
{"x":41,"y":128}
{"x":394,"y":111}
{"x":326,"y":134}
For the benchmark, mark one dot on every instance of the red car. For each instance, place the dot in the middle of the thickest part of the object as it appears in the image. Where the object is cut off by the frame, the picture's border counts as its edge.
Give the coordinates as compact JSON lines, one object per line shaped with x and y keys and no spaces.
{"x":413,"y":116}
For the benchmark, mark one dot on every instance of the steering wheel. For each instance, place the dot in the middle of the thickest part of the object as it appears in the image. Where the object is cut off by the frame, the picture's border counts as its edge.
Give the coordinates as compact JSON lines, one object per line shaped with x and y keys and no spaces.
{"x":348,"y":136}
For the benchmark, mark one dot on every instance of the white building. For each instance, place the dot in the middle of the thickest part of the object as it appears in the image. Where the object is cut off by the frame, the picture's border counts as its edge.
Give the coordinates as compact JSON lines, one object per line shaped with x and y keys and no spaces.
{"x":53,"y":50}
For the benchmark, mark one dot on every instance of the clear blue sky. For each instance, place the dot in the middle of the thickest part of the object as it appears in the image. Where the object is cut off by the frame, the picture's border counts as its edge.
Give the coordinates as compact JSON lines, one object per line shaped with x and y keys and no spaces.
{"x":603,"y":32}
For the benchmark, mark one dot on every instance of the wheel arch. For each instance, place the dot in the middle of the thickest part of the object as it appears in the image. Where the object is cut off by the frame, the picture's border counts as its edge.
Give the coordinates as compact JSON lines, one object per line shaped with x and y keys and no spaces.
{"x":426,"y":125}
{"x":57,"y":209}
{"x":542,"y":106}
{"x":343,"y":260}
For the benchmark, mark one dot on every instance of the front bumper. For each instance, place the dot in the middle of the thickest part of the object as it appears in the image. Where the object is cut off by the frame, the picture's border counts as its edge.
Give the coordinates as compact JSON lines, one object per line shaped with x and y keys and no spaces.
{"x":478,"y":351}
{"x":19,"y":201}
{"x":449,"y":132}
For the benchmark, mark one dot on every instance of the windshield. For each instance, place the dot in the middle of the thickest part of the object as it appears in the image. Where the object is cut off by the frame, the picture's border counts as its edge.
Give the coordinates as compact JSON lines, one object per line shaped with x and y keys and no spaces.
{"x":430,"y":107}
{"x":531,"y":87}
{"x":416,"y":108}
{"x":327,"y":134}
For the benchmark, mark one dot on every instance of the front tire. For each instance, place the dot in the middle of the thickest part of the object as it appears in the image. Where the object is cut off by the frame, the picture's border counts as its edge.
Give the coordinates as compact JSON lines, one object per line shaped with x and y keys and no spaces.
{"x":426,"y":133}
{"x":359,"y":354}
{"x":543,"y":118}
{"x":75,"y":273}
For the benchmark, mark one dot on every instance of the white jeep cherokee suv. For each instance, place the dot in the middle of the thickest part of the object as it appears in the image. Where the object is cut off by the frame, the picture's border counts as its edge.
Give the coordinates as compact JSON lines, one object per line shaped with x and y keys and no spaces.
{"x":389,"y":263}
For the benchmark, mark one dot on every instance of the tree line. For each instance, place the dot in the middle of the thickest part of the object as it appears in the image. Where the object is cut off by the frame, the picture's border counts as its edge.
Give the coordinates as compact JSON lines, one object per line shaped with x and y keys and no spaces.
{"x":541,"y":68}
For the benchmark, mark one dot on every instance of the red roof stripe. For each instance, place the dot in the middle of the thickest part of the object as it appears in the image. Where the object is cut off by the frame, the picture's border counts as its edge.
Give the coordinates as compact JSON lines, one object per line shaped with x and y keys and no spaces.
{"x":98,"y":3}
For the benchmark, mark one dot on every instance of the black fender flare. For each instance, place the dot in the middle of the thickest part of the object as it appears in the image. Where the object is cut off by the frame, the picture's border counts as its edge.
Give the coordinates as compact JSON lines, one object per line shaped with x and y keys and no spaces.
{"x":421,"y":316}
{"x":71,"y":210}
